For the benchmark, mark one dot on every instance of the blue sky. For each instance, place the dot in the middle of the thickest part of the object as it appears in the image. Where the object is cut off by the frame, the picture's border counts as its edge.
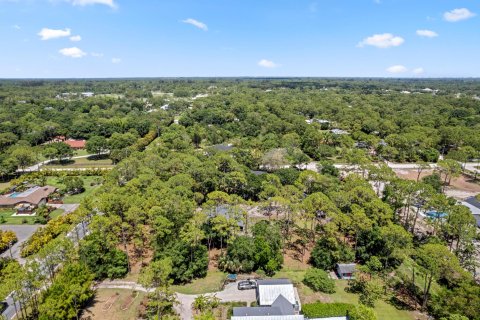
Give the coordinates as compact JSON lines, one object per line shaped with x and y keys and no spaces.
{"x":162,"y":38}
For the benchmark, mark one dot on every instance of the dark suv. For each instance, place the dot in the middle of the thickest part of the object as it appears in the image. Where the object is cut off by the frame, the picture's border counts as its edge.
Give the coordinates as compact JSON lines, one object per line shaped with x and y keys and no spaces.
{"x":247,"y":285}
{"x":3,"y":306}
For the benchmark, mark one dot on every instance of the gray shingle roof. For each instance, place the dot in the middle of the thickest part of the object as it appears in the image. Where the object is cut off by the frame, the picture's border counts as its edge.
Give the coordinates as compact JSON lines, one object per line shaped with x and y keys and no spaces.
{"x":280,"y":307}
{"x":473,"y":201}
{"x":346,"y":268}
{"x":284,"y":305}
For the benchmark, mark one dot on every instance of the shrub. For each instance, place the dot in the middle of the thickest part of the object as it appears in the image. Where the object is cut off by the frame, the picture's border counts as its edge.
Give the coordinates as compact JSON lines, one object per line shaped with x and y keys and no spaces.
{"x":43,"y":235}
{"x":318,"y":280}
{"x":325,"y":310}
{"x":6,"y":237}
{"x":362,"y":312}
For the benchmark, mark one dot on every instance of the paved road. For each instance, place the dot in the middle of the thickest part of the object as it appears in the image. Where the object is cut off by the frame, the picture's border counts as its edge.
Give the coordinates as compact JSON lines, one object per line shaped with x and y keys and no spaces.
{"x":229,"y":294}
{"x":66,"y":207}
{"x":23,"y":232}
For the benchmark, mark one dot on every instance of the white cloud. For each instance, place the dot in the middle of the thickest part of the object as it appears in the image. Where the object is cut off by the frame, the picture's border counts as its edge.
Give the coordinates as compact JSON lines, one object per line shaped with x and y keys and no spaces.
{"x":458,"y":15}
{"x":116,"y":60}
{"x":196,"y":23}
{"x":75,"y":38}
{"x":110,"y":3}
{"x":418,"y":71}
{"x":96,"y":54}
{"x":73,"y":52}
{"x":385,"y":40}
{"x":47,"y":34}
{"x":397,"y":69}
{"x":427,"y":33}
{"x":16,"y":27}
{"x":267,"y":63}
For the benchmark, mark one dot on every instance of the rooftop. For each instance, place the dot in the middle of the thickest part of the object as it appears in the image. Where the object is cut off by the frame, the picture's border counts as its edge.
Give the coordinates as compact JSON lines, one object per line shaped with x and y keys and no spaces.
{"x":76,"y":143}
{"x":346,"y":267}
{"x":33,"y":196}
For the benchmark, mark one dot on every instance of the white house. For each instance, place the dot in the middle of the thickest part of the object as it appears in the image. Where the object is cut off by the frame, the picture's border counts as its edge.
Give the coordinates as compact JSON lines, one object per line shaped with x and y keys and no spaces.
{"x":277,"y":300}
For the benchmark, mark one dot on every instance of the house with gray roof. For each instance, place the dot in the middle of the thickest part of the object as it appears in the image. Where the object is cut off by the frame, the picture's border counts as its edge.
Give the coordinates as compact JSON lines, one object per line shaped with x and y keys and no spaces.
{"x":346,"y":271}
{"x":277,"y":300}
{"x":474,"y":205}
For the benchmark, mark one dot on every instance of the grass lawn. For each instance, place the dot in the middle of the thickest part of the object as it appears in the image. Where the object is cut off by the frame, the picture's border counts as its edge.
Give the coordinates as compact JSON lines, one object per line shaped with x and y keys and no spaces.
{"x":4,"y":185}
{"x":109,"y":304}
{"x":56,"y":213}
{"x":81,"y":152}
{"x":382,"y":308}
{"x":7,"y":214}
{"x":211,"y":283}
{"x":406,"y":269}
{"x":77,"y":198}
{"x":81,"y":163}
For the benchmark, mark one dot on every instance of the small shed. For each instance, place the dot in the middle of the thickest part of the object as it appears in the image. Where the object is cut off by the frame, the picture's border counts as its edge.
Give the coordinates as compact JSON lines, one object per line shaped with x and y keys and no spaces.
{"x":346,"y":271}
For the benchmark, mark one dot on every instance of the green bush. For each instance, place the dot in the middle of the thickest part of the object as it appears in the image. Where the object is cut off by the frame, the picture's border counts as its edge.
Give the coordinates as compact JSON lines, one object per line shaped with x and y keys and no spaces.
{"x":318,"y":280}
{"x":319,"y":310}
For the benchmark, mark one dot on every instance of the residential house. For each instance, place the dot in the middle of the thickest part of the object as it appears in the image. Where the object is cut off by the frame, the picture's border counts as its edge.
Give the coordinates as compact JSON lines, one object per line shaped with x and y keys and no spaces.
{"x":276,"y":299}
{"x":474,"y":205}
{"x":28,"y":200}
{"x":339,"y":131}
{"x":346,"y":270}
{"x":76,"y":144}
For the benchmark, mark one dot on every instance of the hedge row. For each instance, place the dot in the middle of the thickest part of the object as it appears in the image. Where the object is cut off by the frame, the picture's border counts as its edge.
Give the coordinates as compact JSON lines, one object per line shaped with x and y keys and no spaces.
{"x":325,"y":310}
{"x":143,"y":142}
{"x":45,"y":234}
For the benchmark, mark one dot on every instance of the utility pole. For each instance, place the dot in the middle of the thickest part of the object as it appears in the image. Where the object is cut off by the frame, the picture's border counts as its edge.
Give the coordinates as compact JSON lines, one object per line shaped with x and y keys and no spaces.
{"x":10,"y":249}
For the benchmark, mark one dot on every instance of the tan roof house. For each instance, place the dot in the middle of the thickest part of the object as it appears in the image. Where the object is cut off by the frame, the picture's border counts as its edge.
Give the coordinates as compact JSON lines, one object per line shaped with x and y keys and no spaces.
{"x":35,"y":196}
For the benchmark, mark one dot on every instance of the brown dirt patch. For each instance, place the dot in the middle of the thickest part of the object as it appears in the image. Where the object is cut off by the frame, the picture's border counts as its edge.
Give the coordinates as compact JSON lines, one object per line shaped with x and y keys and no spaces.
{"x":108,"y":304}
{"x":462,"y":183}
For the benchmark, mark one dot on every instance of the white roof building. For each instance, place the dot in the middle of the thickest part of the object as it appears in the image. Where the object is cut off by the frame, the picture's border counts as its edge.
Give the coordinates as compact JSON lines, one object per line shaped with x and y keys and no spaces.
{"x":269,"y":290}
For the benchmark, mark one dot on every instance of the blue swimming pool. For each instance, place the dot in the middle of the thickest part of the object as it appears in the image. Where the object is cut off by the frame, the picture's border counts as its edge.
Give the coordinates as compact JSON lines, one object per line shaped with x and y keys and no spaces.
{"x":436,"y":214}
{"x":14,"y":195}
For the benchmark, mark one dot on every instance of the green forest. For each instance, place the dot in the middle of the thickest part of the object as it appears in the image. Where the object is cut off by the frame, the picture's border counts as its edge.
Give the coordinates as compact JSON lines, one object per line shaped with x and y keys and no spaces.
{"x":262,"y":177}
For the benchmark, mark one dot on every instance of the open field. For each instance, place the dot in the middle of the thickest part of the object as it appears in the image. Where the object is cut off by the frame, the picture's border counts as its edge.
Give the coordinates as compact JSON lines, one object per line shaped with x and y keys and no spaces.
{"x":462,"y":184}
{"x":114,"y":304}
{"x":77,"y":198}
{"x":81,"y":163}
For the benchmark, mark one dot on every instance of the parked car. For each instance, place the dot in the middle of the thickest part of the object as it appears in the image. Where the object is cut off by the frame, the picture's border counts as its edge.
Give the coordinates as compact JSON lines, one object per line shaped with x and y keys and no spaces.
{"x":3,"y":306}
{"x":247,"y":285}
